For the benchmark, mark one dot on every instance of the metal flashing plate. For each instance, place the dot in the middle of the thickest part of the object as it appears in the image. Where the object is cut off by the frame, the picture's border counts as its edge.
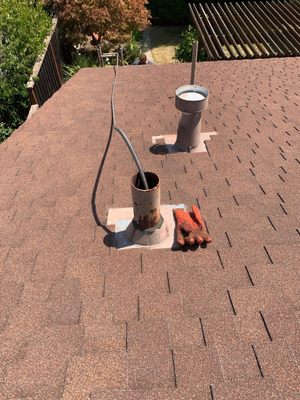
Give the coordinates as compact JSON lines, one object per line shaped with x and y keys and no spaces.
{"x":165,"y":143}
{"x":120,"y":218}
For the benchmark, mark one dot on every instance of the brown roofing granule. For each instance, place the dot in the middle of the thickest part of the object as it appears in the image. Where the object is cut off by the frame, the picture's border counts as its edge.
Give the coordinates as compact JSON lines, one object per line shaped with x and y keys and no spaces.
{"x":80,"y":319}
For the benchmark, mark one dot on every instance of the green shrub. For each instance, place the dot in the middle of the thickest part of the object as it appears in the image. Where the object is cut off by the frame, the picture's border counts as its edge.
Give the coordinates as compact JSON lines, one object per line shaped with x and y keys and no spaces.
{"x":132,"y":50}
{"x":184,"y":50}
{"x":136,"y":35}
{"x":23,"y":28}
{"x":5,"y":131}
{"x":79,"y":61}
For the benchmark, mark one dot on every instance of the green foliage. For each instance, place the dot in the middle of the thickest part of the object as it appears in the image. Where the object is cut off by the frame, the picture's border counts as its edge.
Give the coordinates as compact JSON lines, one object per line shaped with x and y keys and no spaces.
{"x":132,"y":50}
{"x":5,"y":131}
{"x":80,"y":61}
{"x":184,"y":50}
{"x":23,"y":28}
{"x":173,"y":12}
{"x":136,"y":35}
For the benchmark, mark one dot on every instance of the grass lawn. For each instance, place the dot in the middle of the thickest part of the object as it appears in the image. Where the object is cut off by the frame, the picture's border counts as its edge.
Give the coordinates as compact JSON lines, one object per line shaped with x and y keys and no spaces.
{"x":163,"y":40}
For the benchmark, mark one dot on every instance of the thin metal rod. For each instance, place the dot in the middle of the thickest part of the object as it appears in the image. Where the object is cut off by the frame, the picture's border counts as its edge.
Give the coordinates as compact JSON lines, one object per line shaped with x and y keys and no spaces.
{"x":109,"y":55}
{"x":123,"y":134}
{"x":194,"y":61}
{"x":99,"y":54}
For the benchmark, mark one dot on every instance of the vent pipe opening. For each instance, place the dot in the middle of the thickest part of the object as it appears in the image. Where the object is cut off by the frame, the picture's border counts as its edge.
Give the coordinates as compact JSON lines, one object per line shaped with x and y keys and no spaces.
{"x":152,"y":181}
{"x":148,"y":226}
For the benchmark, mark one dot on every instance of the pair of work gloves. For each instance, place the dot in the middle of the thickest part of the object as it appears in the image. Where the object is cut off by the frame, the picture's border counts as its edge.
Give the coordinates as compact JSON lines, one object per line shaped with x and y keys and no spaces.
{"x":190,"y":227}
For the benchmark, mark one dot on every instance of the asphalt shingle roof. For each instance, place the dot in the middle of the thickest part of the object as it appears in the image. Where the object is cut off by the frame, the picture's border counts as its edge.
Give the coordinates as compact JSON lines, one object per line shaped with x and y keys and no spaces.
{"x":80,"y":319}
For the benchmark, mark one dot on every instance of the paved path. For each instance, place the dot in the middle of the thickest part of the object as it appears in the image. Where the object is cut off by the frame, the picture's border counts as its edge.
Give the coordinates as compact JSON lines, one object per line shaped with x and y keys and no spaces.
{"x":147,"y":44}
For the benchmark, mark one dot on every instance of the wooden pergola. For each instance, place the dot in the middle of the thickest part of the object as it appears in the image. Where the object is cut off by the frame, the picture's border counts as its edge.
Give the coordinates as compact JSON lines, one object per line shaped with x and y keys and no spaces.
{"x":248,"y":29}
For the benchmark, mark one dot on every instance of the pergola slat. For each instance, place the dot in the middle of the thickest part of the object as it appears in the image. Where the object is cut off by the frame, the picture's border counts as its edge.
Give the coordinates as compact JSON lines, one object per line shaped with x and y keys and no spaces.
{"x":257,"y":33}
{"x":294,"y":7}
{"x":220,"y":32}
{"x":288,"y":36}
{"x":269,"y":33}
{"x":287,"y":18}
{"x":217,"y":43}
{"x":275,"y":29}
{"x":237,"y":35}
{"x":202,"y":36}
{"x":213,"y":49}
{"x":241,"y":30}
{"x":291,"y":15}
{"x":228,"y":33}
{"x":248,"y":30}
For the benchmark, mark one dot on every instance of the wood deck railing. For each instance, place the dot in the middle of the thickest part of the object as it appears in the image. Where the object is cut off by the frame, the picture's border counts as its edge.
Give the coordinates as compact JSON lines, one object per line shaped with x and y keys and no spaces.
{"x":46,"y":76}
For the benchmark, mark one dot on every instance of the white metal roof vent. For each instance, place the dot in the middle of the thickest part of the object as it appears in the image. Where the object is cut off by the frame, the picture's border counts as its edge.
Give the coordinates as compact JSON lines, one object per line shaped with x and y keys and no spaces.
{"x":191,"y":100}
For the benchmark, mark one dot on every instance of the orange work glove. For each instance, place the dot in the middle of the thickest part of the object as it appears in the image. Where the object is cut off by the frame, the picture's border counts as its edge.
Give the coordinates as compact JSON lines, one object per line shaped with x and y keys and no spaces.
{"x":190,"y":227}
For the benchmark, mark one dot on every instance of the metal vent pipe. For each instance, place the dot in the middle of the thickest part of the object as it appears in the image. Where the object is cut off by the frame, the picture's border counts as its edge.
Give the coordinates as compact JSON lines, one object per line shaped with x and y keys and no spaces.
{"x":191,"y":100}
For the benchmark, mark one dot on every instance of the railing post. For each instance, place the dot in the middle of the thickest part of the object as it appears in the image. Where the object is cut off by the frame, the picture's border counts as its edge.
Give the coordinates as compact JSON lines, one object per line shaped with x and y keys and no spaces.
{"x":32,"y":96}
{"x":55,"y":63}
{"x":100,"y":55}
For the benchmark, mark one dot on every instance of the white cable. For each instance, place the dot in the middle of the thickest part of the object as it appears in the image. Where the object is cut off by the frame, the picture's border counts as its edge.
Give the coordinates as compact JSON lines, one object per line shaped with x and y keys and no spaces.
{"x":122,"y":133}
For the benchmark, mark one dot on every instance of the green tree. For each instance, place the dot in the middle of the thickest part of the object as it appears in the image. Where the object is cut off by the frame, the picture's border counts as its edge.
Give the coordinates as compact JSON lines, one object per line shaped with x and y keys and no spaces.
{"x":112,"y":20}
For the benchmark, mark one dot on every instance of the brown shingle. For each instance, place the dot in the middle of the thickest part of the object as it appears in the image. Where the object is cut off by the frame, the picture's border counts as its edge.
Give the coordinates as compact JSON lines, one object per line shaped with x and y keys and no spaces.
{"x":92,"y":372}
{"x":101,"y":333}
{"x":154,"y":305}
{"x":277,"y":361}
{"x":19,"y":263}
{"x":185,"y":332}
{"x":187,"y":318}
{"x":196,"y":367}
{"x":256,"y":389}
{"x":158,"y":394}
{"x":150,"y":368}
{"x":88,"y":270}
{"x":36,"y":375}
{"x":237,"y":360}
{"x":64,"y":302}
{"x":219,"y":328}
{"x":250,"y":327}
{"x":152,"y":334}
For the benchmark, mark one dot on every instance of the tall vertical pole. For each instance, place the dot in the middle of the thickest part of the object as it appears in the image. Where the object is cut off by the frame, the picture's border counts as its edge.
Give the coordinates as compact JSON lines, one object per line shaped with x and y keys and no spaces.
{"x":122,"y":56}
{"x":100,"y":57}
{"x":194,"y":60}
